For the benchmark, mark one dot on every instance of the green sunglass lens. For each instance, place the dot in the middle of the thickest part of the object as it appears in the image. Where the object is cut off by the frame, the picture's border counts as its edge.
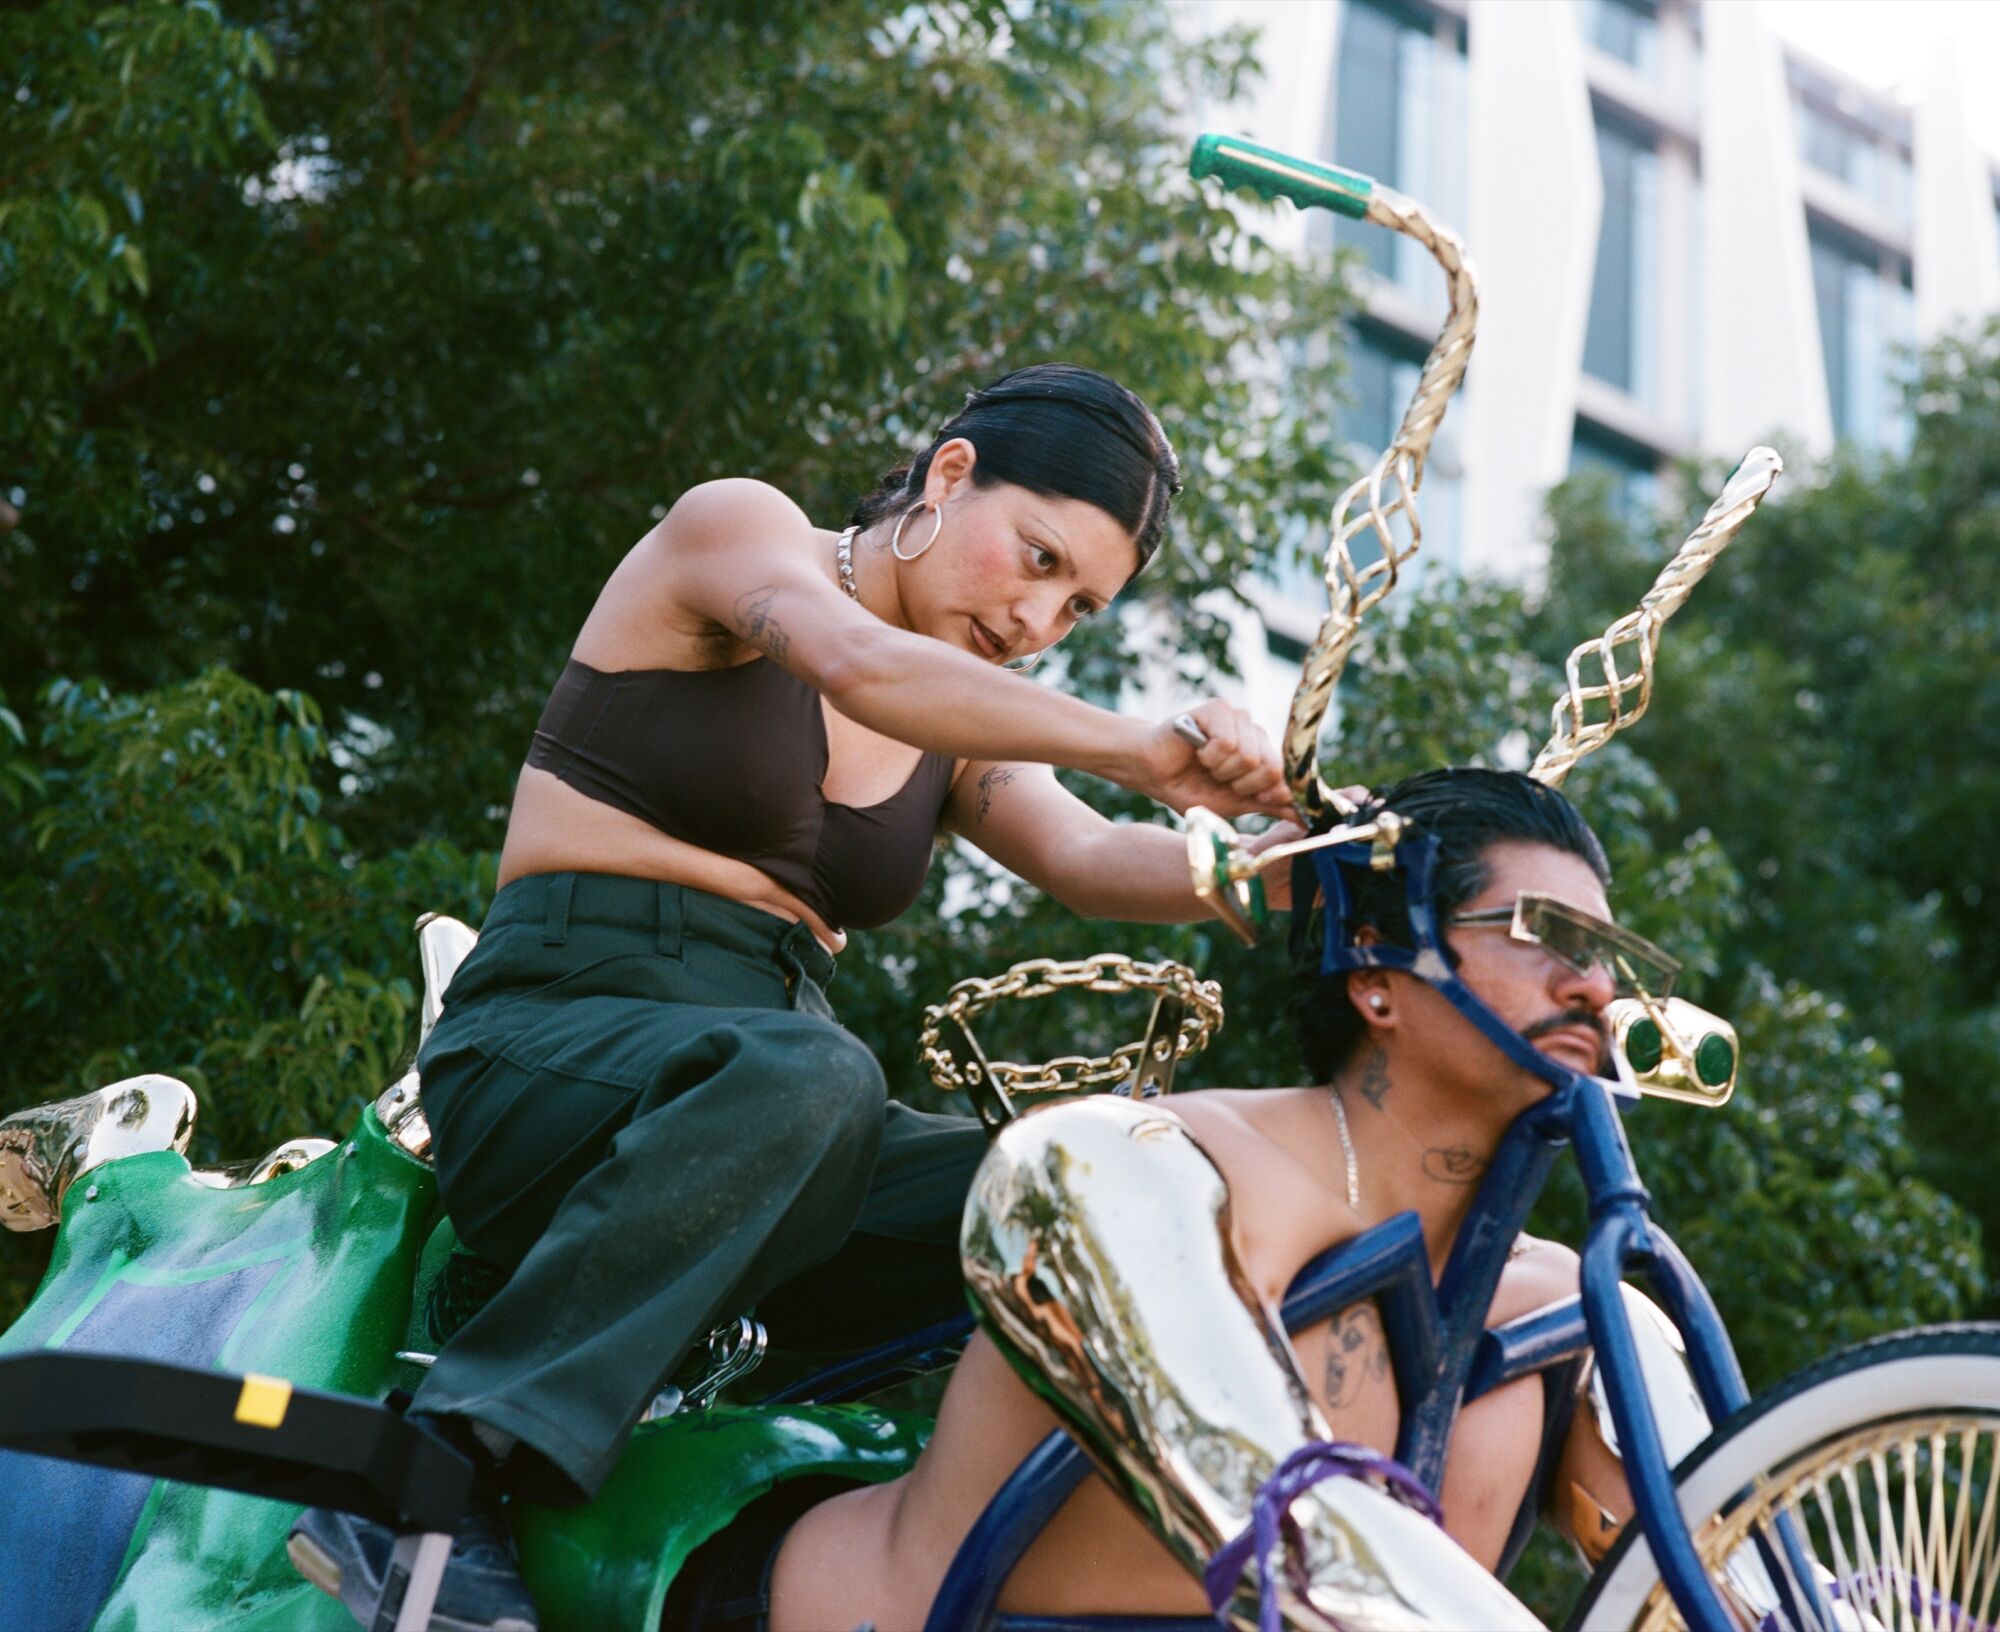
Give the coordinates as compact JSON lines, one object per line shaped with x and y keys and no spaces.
{"x":1643,"y":1047}
{"x":1714,"y":1060}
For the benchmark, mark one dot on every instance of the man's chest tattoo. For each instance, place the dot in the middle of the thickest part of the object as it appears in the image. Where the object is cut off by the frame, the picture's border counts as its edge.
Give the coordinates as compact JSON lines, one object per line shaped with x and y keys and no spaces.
{"x":1355,"y":1352}
{"x":1456,"y":1165}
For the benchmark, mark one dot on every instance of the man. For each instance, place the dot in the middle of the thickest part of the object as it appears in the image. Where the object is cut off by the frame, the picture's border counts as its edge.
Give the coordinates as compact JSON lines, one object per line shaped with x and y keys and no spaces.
{"x":1127,"y":1258}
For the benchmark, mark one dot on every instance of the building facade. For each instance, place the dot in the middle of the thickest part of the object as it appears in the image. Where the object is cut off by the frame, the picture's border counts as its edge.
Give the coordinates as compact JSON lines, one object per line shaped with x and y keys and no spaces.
{"x":1690,"y":238}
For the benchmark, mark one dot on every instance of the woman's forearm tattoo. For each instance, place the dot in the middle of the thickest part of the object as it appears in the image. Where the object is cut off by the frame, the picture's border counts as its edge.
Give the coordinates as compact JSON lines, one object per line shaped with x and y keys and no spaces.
{"x":759,"y":625}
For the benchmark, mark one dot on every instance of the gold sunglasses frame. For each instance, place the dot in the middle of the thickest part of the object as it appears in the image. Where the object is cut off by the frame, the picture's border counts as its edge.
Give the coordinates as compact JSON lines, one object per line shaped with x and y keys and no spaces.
{"x":1517,"y":920}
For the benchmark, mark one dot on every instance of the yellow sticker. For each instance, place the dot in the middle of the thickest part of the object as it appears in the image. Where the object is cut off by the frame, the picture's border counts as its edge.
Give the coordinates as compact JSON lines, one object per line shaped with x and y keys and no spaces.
{"x":264,"y":1401}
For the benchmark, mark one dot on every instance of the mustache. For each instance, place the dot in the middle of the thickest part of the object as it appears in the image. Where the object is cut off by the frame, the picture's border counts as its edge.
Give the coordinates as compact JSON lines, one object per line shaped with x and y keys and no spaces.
{"x":1574,"y":1017}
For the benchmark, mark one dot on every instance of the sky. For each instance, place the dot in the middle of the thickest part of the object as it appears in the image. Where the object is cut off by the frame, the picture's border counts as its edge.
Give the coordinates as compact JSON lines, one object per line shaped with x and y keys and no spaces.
{"x":1888,"y":44}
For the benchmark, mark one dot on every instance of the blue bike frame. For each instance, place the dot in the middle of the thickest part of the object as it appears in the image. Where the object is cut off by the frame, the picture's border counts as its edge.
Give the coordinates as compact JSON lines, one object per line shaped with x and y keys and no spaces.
{"x":1443,"y":1356}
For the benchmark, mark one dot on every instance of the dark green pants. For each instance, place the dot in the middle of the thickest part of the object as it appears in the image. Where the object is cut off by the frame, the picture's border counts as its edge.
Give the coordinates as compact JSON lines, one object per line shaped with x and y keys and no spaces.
{"x":642,"y":1106}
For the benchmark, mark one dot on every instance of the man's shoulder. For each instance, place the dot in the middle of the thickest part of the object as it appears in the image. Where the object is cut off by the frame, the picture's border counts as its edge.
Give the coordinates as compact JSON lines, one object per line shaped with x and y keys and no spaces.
{"x":1252,"y":1122}
{"x":1285,"y":1203}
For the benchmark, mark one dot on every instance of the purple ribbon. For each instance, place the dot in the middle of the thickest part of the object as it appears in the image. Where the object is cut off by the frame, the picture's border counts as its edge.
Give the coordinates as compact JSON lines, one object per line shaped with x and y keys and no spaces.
{"x":1271,"y":1521}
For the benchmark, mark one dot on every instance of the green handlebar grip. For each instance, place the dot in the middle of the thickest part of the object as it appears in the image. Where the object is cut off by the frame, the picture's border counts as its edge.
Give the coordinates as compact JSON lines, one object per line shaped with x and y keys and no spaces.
{"x":1237,"y":163}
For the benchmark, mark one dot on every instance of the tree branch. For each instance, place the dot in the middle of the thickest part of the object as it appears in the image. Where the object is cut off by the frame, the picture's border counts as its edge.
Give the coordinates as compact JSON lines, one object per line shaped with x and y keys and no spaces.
{"x":482,"y":72}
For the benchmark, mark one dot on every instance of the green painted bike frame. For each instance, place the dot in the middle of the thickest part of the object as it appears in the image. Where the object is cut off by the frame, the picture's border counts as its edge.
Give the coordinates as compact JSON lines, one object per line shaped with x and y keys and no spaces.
{"x":314,"y":1276}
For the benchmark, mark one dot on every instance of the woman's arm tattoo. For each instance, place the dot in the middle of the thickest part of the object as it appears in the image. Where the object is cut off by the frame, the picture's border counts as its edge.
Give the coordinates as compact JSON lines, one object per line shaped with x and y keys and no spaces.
{"x":990,"y":783}
{"x":759,"y":625}
{"x":1355,"y":1352}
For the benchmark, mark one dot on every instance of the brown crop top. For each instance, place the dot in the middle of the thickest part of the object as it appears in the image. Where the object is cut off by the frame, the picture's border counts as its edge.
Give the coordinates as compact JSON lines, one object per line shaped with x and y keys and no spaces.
{"x":732,"y":760}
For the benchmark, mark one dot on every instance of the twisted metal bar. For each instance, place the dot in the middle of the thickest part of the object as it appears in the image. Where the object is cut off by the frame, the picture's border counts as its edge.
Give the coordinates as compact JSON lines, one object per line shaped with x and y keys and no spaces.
{"x":1622,"y":697}
{"x":1355,"y":591}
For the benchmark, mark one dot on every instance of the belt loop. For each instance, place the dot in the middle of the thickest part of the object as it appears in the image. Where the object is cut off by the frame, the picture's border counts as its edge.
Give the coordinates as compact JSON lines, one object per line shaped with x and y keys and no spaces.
{"x":555,"y":928}
{"x":799,"y":948}
{"x":670,"y":920}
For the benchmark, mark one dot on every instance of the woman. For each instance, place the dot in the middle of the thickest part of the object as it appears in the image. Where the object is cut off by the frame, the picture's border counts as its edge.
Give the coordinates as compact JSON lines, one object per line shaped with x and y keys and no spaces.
{"x":641,"y":1105}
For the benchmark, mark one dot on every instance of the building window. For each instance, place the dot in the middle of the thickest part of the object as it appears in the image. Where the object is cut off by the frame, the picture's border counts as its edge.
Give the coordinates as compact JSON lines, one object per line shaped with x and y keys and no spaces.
{"x":1835,"y":145}
{"x":1866,"y":328}
{"x":1629,"y":471}
{"x":1626,"y":29}
{"x":1620,"y":343}
{"x":1399,"y":116}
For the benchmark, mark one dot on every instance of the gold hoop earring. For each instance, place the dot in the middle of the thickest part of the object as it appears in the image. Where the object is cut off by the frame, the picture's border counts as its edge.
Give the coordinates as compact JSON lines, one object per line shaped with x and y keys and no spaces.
{"x":896,"y":538}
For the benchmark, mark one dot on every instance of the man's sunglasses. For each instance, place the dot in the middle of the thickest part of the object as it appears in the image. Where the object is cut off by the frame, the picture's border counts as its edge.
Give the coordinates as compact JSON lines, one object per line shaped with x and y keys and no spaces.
{"x":1581,"y":942}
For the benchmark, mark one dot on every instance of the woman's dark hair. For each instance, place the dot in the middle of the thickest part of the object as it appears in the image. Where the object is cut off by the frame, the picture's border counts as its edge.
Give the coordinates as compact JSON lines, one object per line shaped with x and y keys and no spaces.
{"x":1063,"y":432}
{"x":1467,"y":811}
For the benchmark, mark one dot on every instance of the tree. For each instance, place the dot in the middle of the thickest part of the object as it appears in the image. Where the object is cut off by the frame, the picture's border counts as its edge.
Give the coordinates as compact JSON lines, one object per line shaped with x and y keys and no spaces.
{"x":402,"y":324}
{"x":444,"y":304}
{"x":431,"y":308}
{"x":1831,"y":717}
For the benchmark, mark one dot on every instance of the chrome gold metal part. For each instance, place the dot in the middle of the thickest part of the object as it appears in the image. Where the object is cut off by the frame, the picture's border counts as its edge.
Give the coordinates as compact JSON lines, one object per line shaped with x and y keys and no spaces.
{"x":401,"y":1114}
{"x":1097,"y":1248}
{"x":1145,"y":1066}
{"x":1226,"y":877}
{"x":1388,"y":490}
{"x":1592,"y":711}
{"x":442,"y":945}
{"x":286,"y":1158}
{"x":1675,"y":1050}
{"x":1372,"y":504}
{"x":44,"y":1150}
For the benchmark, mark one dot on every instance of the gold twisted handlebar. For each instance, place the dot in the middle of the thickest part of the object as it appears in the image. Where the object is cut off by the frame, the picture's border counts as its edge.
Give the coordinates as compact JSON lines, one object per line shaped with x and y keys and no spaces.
{"x":1187,"y":1014}
{"x":1354,"y":591}
{"x":1615,"y":697}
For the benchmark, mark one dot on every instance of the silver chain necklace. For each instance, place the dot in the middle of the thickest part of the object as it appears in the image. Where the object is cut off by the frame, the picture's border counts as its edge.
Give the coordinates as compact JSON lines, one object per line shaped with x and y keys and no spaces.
{"x":843,"y":558}
{"x":1347,"y":1149}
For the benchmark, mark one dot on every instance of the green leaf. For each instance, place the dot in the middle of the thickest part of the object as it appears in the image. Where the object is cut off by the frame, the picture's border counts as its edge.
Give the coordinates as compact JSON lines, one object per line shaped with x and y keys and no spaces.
{"x":134,"y":262}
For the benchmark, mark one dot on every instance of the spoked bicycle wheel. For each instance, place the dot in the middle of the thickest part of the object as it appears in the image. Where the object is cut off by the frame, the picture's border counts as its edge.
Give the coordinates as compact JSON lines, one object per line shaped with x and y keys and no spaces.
{"x":1862,"y":1495}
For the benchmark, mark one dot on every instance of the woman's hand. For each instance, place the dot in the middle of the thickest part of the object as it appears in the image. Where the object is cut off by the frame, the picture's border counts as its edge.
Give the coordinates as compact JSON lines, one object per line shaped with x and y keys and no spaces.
{"x":1235,"y":772}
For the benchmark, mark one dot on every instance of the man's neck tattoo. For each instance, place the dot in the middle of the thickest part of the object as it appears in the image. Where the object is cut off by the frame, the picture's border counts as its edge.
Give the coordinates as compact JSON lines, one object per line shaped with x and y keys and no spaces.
{"x":1372,"y":1083}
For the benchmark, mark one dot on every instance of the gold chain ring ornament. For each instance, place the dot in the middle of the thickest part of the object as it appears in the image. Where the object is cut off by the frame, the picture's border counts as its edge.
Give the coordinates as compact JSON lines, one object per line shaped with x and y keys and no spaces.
{"x":1186,"y":1014}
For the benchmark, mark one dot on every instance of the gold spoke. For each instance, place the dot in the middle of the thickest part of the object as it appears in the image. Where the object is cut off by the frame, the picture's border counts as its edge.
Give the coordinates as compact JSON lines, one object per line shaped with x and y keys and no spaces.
{"x":1897,"y":1525}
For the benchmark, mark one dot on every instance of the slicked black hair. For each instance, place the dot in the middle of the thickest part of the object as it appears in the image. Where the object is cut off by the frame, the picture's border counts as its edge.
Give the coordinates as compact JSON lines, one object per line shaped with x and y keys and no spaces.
{"x":1061,"y":431}
{"x":1467,"y":811}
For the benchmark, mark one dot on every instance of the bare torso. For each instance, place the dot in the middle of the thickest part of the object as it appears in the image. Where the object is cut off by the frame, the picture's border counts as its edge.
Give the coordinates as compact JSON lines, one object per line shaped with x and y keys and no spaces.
{"x":636,"y":624}
{"x":880,"y":1553}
